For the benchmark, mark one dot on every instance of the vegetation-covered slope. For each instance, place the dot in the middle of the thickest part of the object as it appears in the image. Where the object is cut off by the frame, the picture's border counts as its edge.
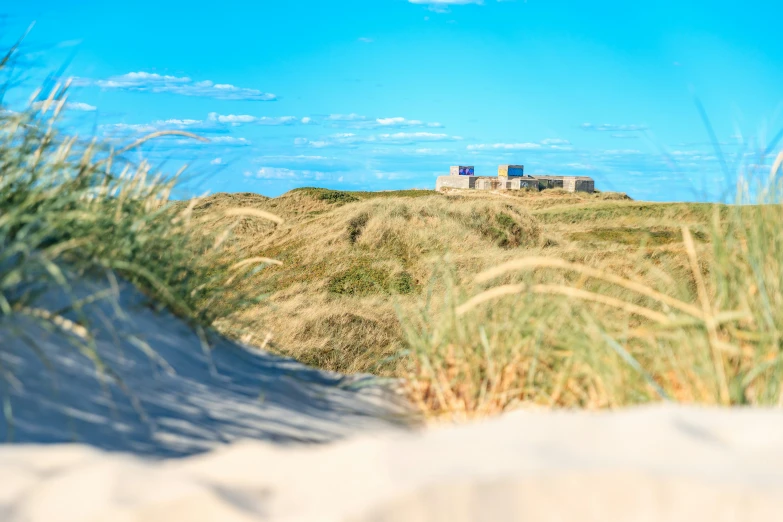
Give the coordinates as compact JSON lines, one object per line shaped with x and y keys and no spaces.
{"x":374,"y":282}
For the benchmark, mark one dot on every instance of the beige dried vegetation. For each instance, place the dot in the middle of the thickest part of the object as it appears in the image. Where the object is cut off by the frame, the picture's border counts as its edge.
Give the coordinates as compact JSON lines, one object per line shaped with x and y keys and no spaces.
{"x":483,"y":302}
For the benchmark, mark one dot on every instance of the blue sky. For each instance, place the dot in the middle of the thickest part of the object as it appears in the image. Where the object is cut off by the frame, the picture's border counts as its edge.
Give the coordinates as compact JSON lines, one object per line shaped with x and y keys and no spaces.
{"x":387,"y":94}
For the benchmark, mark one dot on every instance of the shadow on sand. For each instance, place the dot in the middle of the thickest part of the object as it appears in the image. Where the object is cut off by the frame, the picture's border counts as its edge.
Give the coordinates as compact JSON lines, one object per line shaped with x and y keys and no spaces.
{"x":184,"y":399}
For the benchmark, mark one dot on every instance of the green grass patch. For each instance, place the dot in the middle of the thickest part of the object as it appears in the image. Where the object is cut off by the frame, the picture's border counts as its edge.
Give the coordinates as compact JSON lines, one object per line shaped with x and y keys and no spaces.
{"x":356,"y":226}
{"x":610,"y":211}
{"x":501,"y":228}
{"x":334,"y":197}
{"x":635,"y":236}
{"x":360,"y":280}
{"x":363,"y":280}
{"x":337,"y":196}
{"x":404,"y":284}
{"x":411,"y":193}
{"x":340,"y":196}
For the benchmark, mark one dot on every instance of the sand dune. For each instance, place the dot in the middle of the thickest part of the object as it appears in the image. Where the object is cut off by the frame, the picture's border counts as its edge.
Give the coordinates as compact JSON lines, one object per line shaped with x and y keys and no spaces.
{"x":648,"y":464}
{"x":185,"y":399}
{"x":89,"y":448}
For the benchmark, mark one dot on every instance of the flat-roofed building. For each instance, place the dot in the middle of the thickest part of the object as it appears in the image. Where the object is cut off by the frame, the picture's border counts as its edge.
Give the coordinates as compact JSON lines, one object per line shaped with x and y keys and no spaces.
{"x":462,"y":170}
{"x":455,"y":182}
{"x":511,"y":177}
{"x":578,"y":184}
{"x":507,"y":171}
{"x":549,"y":182}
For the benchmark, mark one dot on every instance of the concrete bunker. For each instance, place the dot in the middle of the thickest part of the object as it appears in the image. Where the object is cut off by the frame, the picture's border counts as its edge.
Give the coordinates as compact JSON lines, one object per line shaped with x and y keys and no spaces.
{"x":511,"y":177}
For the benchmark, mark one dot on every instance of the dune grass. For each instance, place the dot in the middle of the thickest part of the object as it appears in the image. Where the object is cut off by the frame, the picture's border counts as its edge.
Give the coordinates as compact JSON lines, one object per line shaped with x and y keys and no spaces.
{"x":73,"y":208}
{"x":505,"y":300}
{"x":552,"y":332}
{"x":347,"y":265}
{"x":349,"y":268}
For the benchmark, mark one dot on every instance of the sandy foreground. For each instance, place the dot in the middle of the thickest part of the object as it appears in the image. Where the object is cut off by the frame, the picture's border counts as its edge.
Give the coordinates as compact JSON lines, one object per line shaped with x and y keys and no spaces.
{"x":648,"y":464}
{"x":231,"y":434}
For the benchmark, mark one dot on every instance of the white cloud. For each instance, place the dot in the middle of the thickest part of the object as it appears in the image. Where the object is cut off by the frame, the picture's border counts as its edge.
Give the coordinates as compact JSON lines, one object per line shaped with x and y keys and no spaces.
{"x":283,"y":173}
{"x":357,"y":121}
{"x":396,"y":152}
{"x":696,"y":155}
{"x":290,"y":158}
{"x":417,"y":136}
{"x":549,"y":144}
{"x":581,"y":166}
{"x":280,"y":120}
{"x":442,"y":6}
{"x":216,"y":161}
{"x":130,"y":127}
{"x":226,"y":141}
{"x":506,"y":146}
{"x":275,"y":173}
{"x":344,"y":138}
{"x":430,"y":152}
{"x":237,"y":119}
{"x":185,"y":86}
{"x":73,"y":106}
{"x":311,"y":162}
{"x":80,"y":106}
{"x":346,"y":117}
{"x":608,"y":127}
{"x":230,"y":140}
{"x":69,"y":43}
{"x":183,"y":123}
{"x":351,"y":139}
{"x":231,"y":118}
{"x":171,"y":124}
{"x":396,"y":121}
{"x":399,"y":121}
{"x":620,"y":152}
{"x":306,"y":120}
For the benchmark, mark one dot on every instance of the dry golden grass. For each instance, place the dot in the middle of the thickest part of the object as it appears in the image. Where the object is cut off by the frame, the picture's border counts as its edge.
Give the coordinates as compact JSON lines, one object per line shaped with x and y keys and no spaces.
{"x":707,"y":330}
{"x":486,"y":301}
{"x":348,"y":268}
{"x":345,"y":267}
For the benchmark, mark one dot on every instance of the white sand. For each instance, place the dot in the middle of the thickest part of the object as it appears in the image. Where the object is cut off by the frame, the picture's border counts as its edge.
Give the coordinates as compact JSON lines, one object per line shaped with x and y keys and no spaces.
{"x":232,"y":418}
{"x":185,"y":401}
{"x":649,"y":464}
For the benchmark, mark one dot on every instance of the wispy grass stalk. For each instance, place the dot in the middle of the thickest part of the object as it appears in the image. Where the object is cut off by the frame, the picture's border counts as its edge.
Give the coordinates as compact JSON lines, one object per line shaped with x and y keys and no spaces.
{"x":71,"y":208}
{"x":711,"y":334}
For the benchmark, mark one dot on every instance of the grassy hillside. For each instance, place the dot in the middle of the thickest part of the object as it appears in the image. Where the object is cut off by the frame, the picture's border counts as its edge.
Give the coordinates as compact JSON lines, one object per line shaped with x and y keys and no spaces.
{"x":480,"y":301}
{"x":349,"y":259}
{"x":379,"y":282}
